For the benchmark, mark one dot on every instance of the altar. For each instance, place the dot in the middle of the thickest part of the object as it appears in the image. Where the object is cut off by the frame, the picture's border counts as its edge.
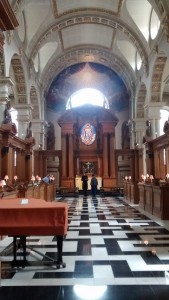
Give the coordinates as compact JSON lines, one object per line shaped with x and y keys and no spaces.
{"x":78,"y":182}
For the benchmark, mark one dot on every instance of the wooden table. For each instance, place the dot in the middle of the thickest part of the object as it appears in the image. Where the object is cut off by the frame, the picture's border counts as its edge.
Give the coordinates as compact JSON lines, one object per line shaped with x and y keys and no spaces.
{"x":20,"y":218}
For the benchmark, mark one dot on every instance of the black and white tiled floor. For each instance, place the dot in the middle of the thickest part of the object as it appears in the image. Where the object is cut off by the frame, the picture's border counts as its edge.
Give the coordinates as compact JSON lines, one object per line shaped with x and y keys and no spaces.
{"x":112,"y":251}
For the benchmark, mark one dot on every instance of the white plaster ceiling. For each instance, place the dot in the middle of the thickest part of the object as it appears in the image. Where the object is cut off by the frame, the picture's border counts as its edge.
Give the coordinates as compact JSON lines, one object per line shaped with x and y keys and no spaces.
{"x":59,"y":33}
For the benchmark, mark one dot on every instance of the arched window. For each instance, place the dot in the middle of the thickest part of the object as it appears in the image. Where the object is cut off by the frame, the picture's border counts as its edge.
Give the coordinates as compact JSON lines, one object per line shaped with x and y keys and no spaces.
{"x":87,"y":96}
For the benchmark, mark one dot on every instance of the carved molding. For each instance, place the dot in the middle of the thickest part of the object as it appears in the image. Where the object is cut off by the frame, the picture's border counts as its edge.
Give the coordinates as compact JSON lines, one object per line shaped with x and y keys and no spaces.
{"x":113,"y":23}
{"x":156,"y":78}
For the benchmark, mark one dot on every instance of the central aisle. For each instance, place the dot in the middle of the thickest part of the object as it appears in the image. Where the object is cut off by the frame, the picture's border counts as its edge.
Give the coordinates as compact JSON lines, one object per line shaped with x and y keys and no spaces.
{"x":109,"y":245}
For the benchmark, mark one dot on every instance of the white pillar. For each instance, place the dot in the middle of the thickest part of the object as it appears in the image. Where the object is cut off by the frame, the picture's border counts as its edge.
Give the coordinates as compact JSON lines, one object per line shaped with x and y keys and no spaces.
{"x":157,"y":125}
{"x":140,"y":131}
{"x":153,"y":128}
{"x":24,"y":117}
{"x":38,"y":133}
{"x":154,"y":117}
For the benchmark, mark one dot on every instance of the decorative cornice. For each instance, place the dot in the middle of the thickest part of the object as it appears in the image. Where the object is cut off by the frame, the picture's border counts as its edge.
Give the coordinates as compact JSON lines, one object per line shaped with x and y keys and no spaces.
{"x":114,"y":23}
{"x":6,"y":81}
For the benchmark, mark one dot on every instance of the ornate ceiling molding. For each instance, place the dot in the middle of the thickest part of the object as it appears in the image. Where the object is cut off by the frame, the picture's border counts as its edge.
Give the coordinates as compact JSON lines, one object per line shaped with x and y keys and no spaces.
{"x":89,"y":9}
{"x":96,"y":55}
{"x":95,"y":19}
{"x":157,"y":78}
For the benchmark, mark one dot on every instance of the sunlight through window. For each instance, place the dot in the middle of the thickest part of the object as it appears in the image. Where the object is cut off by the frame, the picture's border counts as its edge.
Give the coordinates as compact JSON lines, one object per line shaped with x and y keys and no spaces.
{"x":87,"y":96}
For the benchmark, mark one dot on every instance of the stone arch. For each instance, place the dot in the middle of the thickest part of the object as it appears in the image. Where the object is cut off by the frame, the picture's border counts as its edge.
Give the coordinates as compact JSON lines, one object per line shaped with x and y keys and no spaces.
{"x":157,"y":74}
{"x":115,"y":24}
{"x":141,"y":98}
{"x":17,"y":73}
{"x":100,"y":56}
{"x":34,"y":103}
{"x":165,"y":85}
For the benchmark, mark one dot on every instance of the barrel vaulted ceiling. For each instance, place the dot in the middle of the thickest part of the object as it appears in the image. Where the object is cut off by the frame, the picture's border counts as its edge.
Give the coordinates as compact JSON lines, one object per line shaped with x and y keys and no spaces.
{"x":118,"y":34}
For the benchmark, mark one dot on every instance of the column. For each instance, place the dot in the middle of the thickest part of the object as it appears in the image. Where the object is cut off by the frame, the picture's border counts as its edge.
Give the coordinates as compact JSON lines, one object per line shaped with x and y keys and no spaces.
{"x":154,"y":116}
{"x":98,"y":163}
{"x":157,"y":126}
{"x":140,"y":132}
{"x":105,"y":155}
{"x":64,"y":160}
{"x":23,"y":118}
{"x":77,"y":167}
{"x":153,"y":129}
{"x":71,"y":163}
{"x":112,"y":156}
{"x":38,"y":130}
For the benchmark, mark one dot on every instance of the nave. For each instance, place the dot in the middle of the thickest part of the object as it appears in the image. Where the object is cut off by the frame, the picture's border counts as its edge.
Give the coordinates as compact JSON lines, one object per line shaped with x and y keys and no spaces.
{"x":112,"y":251}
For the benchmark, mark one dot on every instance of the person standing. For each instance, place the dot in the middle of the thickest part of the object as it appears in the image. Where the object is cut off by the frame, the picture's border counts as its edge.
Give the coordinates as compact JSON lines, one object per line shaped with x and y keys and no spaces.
{"x":46,"y":179}
{"x":84,"y":180}
{"x":94,"y":184}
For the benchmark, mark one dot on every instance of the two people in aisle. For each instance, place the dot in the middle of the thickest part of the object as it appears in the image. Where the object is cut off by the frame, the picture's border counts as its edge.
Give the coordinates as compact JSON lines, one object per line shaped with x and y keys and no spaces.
{"x":93,"y":184}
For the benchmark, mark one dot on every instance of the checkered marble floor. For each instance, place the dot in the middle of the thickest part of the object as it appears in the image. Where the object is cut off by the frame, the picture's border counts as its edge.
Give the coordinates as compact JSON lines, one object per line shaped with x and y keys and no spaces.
{"x":110,"y":245}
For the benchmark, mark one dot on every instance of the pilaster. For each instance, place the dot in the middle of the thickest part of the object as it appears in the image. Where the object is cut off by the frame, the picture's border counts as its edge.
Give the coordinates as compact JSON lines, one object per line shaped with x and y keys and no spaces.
{"x":38,"y":129}
{"x":154,"y":116}
{"x":23,"y":118}
{"x":140,"y":131}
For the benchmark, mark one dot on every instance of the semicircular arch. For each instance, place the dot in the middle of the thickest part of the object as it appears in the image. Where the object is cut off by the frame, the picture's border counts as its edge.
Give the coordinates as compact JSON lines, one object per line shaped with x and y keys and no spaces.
{"x":99,"y":56}
{"x":114,"y":23}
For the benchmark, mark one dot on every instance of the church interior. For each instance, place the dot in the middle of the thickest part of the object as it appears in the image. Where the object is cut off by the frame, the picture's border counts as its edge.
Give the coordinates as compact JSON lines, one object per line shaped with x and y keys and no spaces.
{"x":84,"y":93}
